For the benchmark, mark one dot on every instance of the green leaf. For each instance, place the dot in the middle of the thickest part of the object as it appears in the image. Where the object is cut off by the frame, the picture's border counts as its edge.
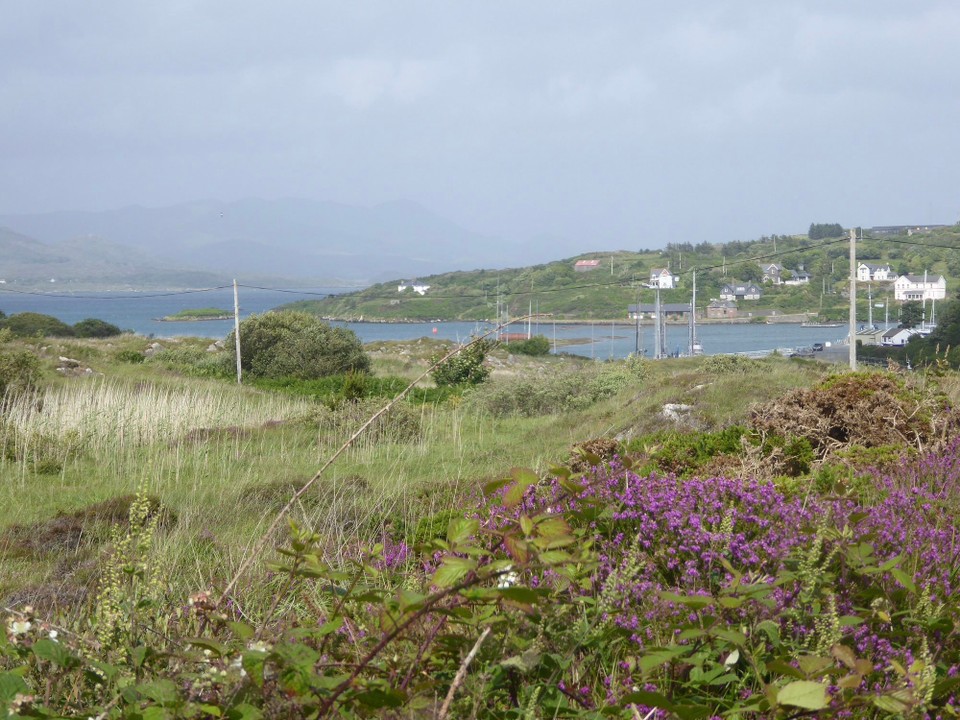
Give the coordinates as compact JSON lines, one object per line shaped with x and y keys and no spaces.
{"x":803,"y":694}
{"x":243,"y":711}
{"x":54,"y":652}
{"x":904,"y":579}
{"x":378,"y":698}
{"x":163,"y":692}
{"x":217,"y":648}
{"x":783,"y":668}
{"x":491,"y":487}
{"x":10,"y":686}
{"x":890,"y":704}
{"x":814,"y":664}
{"x":553,"y":527}
{"x":520,"y":595}
{"x":459,"y":530}
{"x":241,"y":630}
{"x":452,"y":571}
{"x":695,"y":602}
{"x":155,"y":712}
{"x":650,"y":699}
{"x":518,"y":549}
{"x":662,"y":656}
{"x":526,"y":524}
{"x":890,"y":564}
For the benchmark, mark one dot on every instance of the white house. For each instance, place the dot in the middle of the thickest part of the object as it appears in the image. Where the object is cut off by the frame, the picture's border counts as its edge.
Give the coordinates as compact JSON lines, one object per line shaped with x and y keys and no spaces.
{"x":874,"y":273}
{"x":663,"y":278}
{"x":920,"y":287}
{"x":798,"y":277}
{"x":897,"y":336}
{"x":418,"y":288}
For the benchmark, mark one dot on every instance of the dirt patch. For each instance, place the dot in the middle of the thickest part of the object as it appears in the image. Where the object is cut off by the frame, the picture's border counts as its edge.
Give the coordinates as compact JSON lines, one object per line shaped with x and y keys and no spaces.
{"x":585,"y":455}
{"x":71,"y":532}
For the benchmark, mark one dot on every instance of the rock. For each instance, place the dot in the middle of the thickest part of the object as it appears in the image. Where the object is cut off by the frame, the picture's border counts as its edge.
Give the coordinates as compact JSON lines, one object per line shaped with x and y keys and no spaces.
{"x":677,"y":413}
{"x":212,"y":347}
{"x":66,"y":362}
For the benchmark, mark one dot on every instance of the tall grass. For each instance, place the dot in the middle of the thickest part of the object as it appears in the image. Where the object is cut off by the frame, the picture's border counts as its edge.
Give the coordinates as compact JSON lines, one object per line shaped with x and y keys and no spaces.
{"x":111,"y":416}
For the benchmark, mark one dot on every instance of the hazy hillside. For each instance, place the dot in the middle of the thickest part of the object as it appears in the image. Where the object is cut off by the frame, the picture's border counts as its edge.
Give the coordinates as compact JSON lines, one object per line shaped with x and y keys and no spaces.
{"x":291,"y":238}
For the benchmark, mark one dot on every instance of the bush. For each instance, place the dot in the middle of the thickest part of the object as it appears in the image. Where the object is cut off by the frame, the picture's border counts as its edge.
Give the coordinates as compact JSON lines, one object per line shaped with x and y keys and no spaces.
{"x":537,"y":345}
{"x":19,"y":371}
{"x":298,"y":345}
{"x":193,"y":361}
{"x":94,"y":328}
{"x":30,"y":324}
{"x":545,"y":395}
{"x":464,"y":368}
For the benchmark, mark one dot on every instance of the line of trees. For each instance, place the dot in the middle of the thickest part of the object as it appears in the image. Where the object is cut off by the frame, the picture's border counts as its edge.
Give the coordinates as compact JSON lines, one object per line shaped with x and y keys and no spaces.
{"x":819,"y":231}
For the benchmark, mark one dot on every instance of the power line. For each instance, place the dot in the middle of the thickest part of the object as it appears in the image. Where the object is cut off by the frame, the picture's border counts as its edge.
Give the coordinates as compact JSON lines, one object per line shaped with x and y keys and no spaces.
{"x":137,"y":296}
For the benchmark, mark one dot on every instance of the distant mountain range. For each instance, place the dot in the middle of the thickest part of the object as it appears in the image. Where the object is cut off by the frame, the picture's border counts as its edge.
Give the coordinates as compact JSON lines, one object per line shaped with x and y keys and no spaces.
{"x":209,"y":242}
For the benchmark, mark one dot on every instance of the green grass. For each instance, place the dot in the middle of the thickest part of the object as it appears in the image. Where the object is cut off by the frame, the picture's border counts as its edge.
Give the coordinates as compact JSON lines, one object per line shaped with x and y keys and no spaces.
{"x":225,"y":458}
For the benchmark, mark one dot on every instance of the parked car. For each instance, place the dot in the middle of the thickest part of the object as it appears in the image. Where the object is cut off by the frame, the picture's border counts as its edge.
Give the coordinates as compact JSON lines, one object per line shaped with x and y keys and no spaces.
{"x":818,"y":347}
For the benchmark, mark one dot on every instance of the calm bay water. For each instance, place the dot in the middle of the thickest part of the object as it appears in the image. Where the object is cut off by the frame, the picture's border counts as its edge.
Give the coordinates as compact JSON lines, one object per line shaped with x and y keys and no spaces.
{"x":140,"y":312}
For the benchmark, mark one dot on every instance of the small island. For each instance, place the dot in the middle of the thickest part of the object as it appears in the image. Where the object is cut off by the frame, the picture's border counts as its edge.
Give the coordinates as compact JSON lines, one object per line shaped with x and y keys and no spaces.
{"x":198,"y":314}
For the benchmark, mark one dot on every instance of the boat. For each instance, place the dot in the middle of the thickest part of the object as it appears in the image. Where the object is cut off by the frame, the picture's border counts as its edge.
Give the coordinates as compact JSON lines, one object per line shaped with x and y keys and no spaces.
{"x":820,"y":325}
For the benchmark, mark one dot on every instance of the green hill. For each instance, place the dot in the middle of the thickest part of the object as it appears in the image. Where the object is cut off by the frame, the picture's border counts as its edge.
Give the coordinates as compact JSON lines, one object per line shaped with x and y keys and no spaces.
{"x":556,"y":288}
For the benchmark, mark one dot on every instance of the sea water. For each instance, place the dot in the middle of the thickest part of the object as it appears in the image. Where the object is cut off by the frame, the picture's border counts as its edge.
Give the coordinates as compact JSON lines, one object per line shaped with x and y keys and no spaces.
{"x":141,"y":313}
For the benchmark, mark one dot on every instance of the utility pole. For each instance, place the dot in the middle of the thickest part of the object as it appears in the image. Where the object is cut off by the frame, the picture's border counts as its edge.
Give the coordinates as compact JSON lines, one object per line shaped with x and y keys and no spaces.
{"x":657,"y":339}
{"x":236,"y":326}
{"x":853,"y":299}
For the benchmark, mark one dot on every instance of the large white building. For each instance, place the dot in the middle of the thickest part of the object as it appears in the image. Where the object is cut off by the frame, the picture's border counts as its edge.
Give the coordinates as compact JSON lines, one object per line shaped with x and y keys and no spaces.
{"x":920,"y":287}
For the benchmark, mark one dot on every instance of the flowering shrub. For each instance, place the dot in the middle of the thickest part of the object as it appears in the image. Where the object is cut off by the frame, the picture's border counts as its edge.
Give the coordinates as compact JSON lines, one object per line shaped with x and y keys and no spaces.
{"x":603,"y":593}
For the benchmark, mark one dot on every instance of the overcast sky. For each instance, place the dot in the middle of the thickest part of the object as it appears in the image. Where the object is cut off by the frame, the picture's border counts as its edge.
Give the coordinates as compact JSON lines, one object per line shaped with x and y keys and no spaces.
{"x":608,"y":124}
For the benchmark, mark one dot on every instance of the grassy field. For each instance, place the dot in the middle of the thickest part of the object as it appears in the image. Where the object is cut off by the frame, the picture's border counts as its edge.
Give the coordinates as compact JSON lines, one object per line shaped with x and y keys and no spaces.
{"x":224,"y":458}
{"x":733,"y":535}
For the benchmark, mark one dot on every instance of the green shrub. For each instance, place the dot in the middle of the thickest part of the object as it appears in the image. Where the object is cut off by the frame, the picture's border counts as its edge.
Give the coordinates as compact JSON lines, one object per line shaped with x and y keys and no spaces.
{"x":464,"y":368}
{"x":725,"y":364}
{"x":129,"y":356}
{"x":401,"y":424}
{"x":30,"y":324}
{"x":194,"y":361}
{"x":94,"y":328}
{"x":296,"y":344}
{"x":544,"y":395}
{"x":19,"y":371}
{"x":537,"y":345}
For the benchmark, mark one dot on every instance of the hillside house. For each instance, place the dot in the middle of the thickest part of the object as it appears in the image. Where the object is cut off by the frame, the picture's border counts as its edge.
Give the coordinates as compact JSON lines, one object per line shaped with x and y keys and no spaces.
{"x":798,"y":277}
{"x":722,"y":310}
{"x":875,"y":273}
{"x":585,"y":265}
{"x":897,"y":336}
{"x":740,"y":291}
{"x":671,"y":311}
{"x":663,"y":278}
{"x":772,"y":272}
{"x":418,"y":288}
{"x":920,"y":287}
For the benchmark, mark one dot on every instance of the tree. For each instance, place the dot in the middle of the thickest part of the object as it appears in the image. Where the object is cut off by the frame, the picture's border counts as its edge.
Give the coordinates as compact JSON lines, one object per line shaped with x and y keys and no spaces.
{"x":911,"y":314}
{"x":818,"y":231}
{"x":298,"y":345}
{"x":464,"y":368}
{"x":94,"y":328}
